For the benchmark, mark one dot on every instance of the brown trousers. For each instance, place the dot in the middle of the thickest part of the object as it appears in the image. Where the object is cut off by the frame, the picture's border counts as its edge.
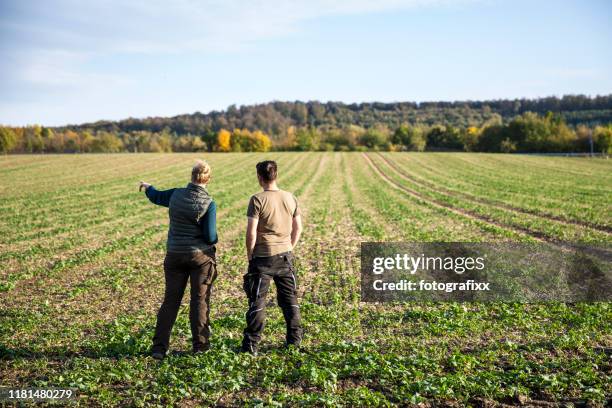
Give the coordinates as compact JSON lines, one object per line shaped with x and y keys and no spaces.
{"x":201,"y":269}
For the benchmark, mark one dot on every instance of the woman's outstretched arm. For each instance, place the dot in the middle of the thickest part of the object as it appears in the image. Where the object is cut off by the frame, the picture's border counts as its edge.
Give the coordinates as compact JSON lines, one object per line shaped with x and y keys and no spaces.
{"x":155,"y":196}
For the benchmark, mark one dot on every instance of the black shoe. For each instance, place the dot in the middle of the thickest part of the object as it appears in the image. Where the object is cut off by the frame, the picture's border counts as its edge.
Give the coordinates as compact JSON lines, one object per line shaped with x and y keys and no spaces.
{"x":157,"y":355}
{"x":249,"y":348}
{"x":201,"y":349}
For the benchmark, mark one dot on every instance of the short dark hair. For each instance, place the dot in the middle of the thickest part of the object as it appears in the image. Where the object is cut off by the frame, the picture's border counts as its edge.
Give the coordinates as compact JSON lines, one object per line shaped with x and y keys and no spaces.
{"x":267,"y":170}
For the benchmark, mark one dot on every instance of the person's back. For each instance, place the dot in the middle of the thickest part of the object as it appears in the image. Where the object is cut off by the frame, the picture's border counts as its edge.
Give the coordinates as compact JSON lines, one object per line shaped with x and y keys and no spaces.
{"x":186,"y":210}
{"x":273,"y":229}
{"x":275,"y":210}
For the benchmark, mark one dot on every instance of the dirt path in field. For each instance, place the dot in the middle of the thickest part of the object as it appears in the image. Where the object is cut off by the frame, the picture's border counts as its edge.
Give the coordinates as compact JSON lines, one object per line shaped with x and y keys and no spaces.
{"x":494,"y":203}
{"x":308,"y":202}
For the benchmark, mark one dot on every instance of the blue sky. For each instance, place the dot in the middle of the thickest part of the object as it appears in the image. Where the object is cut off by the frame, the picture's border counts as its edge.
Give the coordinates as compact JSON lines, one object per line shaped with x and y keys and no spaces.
{"x":74,"y":61}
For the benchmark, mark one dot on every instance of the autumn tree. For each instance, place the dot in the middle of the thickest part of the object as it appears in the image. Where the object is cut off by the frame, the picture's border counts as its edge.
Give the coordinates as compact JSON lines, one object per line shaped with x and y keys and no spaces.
{"x":33,"y":141}
{"x":373,"y":138}
{"x":71,"y":142}
{"x":602,"y":137}
{"x":262,"y":142}
{"x":223,"y":140}
{"x":181,"y":144}
{"x":198,"y":145}
{"x":470,"y":138}
{"x":288,"y":142}
{"x":243,"y":140}
{"x":106,"y":142}
{"x":8,"y":140}
{"x":86,"y":140}
{"x":307,"y":138}
{"x":47,"y":136}
{"x":410,"y":138}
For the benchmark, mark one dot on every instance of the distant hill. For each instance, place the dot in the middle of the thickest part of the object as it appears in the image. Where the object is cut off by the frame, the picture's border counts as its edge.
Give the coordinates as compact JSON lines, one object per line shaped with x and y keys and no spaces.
{"x":275,"y":117}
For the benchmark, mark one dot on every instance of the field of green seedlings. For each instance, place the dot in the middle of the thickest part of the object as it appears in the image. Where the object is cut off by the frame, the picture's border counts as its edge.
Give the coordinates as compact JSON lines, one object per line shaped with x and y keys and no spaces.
{"x":81,"y":253}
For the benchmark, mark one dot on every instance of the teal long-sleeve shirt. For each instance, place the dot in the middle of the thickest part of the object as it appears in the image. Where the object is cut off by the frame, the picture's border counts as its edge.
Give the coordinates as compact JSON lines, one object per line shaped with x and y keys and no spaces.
{"x":208,"y":222}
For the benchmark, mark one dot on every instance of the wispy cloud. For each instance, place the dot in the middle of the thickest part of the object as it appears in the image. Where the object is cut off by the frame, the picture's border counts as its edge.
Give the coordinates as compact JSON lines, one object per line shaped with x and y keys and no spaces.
{"x":138,"y":26}
{"x":72,"y":60}
{"x":60,"y":69}
{"x":58,"y":38}
{"x":53,"y":49}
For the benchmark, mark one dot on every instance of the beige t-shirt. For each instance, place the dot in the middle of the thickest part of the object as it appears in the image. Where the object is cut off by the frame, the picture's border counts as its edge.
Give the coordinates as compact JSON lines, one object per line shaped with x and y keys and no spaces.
{"x":275,"y":210}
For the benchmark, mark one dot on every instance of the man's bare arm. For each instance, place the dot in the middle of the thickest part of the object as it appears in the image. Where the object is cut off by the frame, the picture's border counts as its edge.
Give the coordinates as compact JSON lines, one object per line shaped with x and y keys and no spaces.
{"x":251,"y":236}
{"x":296,"y":230}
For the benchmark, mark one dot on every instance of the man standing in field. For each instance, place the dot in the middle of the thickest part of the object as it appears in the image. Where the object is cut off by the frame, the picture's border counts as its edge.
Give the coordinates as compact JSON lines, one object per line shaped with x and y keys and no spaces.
{"x":190,"y":255}
{"x":274,"y":226}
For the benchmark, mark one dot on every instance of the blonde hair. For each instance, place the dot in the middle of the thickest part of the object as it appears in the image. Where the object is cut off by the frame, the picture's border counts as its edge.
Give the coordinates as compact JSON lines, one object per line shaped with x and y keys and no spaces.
{"x":200,"y":173}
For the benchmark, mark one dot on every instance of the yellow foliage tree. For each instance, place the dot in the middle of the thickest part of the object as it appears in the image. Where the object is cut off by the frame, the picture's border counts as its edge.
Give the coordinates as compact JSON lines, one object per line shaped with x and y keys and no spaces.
{"x":223,"y":140}
{"x":470,"y":138}
{"x":289,"y":141}
{"x":243,"y":140}
{"x":262,"y":141}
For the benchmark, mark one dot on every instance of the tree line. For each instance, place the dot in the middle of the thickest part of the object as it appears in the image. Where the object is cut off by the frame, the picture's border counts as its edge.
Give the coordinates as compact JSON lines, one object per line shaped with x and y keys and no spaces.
{"x":275,"y":118}
{"x":526,"y":133}
{"x":572,"y":123}
{"x":38,"y":139}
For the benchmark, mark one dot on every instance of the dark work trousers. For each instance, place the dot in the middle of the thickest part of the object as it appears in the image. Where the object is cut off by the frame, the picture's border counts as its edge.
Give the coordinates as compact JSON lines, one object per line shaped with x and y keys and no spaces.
{"x":201,"y":269}
{"x":256,"y":284}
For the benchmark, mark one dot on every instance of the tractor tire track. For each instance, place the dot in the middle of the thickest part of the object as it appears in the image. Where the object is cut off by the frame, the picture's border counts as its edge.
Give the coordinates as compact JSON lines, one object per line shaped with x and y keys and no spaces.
{"x":493,"y":203}
{"x":539,"y":236}
{"x":602,"y":253}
